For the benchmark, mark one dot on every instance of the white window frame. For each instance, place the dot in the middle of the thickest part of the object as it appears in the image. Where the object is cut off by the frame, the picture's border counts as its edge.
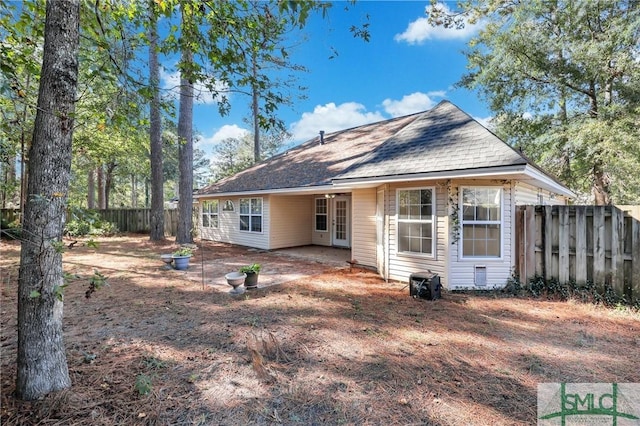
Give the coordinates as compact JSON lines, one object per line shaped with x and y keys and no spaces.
{"x":431,"y":221}
{"x":212,"y":215}
{"x":500,"y":222}
{"x":325,"y":214}
{"x":250,"y":214}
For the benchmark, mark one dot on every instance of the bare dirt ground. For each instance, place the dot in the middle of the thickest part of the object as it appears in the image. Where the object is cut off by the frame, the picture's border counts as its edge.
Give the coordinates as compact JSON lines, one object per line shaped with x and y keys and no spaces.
{"x":159,"y":347}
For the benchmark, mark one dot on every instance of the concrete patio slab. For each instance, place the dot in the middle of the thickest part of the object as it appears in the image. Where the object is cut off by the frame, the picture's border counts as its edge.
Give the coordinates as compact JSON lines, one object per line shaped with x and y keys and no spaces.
{"x":278,"y":266}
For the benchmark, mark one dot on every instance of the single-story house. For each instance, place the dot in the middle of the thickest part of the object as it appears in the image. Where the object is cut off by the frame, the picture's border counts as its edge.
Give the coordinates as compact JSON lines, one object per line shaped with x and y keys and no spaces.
{"x":429,"y":191}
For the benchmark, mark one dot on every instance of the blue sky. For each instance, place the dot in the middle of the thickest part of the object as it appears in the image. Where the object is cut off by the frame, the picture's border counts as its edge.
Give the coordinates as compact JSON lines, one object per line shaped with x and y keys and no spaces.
{"x":406,"y":67}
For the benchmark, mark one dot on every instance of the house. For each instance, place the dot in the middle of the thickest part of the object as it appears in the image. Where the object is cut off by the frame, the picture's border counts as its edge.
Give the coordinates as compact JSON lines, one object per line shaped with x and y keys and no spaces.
{"x":430,"y":191}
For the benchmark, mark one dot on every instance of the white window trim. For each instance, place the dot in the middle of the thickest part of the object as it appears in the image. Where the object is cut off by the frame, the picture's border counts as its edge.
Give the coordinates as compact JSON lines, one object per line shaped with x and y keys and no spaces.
{"x":315,"y":214}
{"x":249,"y":231}
{"x":489,"y":222}
{"x":434,"y":220}
{"x":211,"y":214}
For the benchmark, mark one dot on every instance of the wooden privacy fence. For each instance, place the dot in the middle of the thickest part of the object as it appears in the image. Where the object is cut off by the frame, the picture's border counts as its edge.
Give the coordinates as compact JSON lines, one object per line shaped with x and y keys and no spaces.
{"x":127,"y":220}
{"x":138,"y":220}
{"x":598,"y":244}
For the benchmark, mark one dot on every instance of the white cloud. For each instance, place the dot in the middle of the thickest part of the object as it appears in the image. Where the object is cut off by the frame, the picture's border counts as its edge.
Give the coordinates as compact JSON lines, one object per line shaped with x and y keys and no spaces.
{"x":330,"y":118}
{"x":224,"y":132}
{"x":420,"y":30}
{"x":207,"y":143}
{"x":486,"y":122}
{"x":409,"y":104}
{"x":171,"y":83}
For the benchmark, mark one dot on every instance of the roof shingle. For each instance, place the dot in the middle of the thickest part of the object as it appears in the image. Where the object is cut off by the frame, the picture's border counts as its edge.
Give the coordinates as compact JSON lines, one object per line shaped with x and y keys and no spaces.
{"x":442,"y":139}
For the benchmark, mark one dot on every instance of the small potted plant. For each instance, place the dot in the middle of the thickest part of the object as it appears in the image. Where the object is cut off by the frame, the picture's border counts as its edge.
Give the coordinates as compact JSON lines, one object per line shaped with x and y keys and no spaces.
{"x":252,"y":272}
{"x":181,"y":257}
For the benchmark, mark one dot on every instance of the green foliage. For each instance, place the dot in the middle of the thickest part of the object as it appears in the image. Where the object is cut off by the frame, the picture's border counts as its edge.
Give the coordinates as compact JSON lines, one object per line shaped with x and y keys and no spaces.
{"x":183,"y":251}
{"x":96,"y":282}
{"x":10,"y":230}
{"x":571,"y":99}
{"x":34,"y":294}
{"x":254,"y":268}
{"x":585,"y":293}
{"x":143,"y":384}
{"x":88,"y":222}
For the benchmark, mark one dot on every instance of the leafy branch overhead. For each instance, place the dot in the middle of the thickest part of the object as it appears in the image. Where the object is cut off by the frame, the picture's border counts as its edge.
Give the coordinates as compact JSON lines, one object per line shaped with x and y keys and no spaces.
{"x":563,"y":81}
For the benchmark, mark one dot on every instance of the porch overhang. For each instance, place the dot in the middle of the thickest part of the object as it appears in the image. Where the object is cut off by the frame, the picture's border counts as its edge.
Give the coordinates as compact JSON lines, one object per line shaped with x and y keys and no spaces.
{"x":522,"y":172}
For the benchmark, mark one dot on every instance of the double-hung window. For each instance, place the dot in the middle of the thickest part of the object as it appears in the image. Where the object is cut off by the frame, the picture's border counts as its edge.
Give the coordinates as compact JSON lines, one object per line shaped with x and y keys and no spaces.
{"x":416,"y":221}
{"x":210,"y":214}
{"x":251,"y":214}
{"x":322,"y":221}
{"x":481,"y":222}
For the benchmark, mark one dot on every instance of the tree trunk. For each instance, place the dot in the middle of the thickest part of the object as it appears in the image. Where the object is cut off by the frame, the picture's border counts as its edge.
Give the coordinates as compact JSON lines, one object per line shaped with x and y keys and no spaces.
{"x":91,"y":190}
{"x":155,"y":133}
{"x":102,"y":203}
{"x":185,"y":143}
{"x":134,"y":192}
{"x":108,"y":182}
{"x":601,"y":187}
{"x":255,"y":109}
{"x":42,"y":364}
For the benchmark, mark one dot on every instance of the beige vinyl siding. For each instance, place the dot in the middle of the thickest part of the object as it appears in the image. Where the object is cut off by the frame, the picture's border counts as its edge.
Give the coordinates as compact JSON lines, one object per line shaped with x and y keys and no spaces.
{"x":290,"y":221}
{"x":462,"y":271}
{"x":229,"y":229}
{"x":363,"y":226}
{"x":525,"y":194}
{"x":402,"y":265}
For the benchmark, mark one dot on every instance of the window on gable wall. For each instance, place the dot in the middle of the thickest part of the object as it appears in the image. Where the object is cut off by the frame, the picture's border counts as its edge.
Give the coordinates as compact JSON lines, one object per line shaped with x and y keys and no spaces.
{"x":416,"y":211}
{"x":321,"y":214}
{"x":251,"y":214}
{"x":481,"y":222}
{"x":210,"y":214}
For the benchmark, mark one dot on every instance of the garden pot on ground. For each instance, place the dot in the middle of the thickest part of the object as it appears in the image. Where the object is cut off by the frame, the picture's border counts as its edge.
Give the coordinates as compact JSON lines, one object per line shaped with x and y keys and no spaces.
{"x":252,"y":280}
{"x":181,"y":262}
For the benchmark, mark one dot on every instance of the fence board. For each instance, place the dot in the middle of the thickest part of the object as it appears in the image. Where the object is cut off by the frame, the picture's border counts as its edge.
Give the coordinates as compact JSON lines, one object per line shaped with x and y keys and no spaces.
{"x":617,"y":251}
{"x":635,"y":258}
{"x":530,"y":241}
{"x":563,"y":246}
{"x":548,"y":242}
{"x":581,"y":245}
{"x":600,"y":244}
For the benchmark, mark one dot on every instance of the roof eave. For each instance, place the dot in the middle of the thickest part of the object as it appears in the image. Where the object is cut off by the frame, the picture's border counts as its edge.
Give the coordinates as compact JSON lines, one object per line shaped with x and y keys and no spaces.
{"x":445,"y":174}
{"x":278,"y":191}
{"x":513,"y":171}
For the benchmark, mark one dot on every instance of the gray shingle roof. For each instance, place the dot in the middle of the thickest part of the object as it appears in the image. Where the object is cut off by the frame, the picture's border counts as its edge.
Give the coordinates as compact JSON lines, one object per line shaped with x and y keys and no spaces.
{"x":312,"y":164}
{"x":442,"y":139}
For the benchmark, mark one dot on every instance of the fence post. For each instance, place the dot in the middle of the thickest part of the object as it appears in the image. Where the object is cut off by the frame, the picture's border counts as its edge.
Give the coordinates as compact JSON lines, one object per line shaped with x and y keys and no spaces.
{"x":581,"y":245}
{"x":530,"y":241}
{"x":547,"y":255}
{"x":635,"y":258}
{"x":617,"y":250}
{"x":563,"y":245}
{"x":598,"y":246}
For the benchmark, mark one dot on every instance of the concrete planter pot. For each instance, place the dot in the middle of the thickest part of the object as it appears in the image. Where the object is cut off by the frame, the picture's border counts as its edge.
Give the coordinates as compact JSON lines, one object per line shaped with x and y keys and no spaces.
{"x":181,"y":262}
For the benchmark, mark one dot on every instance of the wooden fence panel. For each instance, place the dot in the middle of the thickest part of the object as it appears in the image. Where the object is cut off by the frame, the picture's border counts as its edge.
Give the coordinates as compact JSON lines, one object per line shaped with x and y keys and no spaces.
{"x":127,"y":220}
{"x":600,"y":244}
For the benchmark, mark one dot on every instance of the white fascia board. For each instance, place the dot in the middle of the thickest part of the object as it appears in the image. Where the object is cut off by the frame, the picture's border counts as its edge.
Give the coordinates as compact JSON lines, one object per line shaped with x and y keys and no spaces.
{"x":493,"y":172}
{"x":282,"y":191}
{"x":548,"y":183}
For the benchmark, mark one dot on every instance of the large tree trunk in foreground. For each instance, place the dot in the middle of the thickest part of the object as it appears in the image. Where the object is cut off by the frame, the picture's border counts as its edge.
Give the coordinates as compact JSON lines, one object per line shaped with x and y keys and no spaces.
{"x":155,"y":131}
{"x":42,"y":363}
{"x":185,"y":141}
